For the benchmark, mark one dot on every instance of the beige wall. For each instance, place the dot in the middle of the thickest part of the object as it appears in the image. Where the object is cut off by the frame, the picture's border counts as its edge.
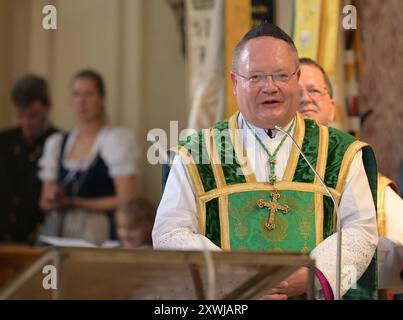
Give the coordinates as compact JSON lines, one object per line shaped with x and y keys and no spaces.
{"x":164,"y":78}
{"x":134,"y":44}
{"x":4,"y":58}
{"x":14,"y":50}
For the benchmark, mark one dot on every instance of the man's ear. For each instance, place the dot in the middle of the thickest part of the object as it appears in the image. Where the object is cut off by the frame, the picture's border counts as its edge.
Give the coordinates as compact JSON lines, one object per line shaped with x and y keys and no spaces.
{"x":234,"y":81}
{"x":298,"y":73}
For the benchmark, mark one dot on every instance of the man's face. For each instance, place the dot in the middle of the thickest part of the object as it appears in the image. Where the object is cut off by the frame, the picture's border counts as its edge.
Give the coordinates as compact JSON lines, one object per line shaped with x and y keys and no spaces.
{"x":269,"y":104}
{"x":316,"y":102}
{"x":32,"y":118}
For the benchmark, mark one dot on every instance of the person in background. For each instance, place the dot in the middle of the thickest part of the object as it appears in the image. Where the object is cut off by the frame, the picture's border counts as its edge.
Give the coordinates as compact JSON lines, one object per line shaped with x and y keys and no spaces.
{"x":317,"y":93}
{"x":20,"y":149}
{"x":317,"y":103}
{"x":135,"y":220}
{"x":88,"y":172}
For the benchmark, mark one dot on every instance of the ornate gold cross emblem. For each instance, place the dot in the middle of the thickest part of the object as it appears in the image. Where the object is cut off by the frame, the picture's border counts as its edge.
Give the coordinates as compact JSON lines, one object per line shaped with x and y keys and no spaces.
{"x":272,"y":206}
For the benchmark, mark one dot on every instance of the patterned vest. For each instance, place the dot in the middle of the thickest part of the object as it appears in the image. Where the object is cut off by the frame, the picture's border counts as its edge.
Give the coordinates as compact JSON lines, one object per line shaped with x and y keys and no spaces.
{"x":227,"y":193}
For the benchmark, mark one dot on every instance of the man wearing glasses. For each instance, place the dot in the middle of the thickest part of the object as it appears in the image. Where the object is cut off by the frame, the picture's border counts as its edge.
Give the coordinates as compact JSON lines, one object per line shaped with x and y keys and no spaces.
{"x":317,"y":104}
{"x":316,"y":93}
{"x":243,"y":185}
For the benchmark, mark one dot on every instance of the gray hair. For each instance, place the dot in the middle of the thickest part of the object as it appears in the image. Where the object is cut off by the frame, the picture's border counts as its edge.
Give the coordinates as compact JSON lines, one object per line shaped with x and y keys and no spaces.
{"x":311,"y":62}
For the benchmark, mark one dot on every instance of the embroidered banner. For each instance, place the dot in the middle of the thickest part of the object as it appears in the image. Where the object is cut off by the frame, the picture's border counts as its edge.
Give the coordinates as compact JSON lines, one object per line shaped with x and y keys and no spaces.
{"x":206,"y":61}
{"x":238,"y":20}
{"x":306,"y":27}
{"x":262,"y":11}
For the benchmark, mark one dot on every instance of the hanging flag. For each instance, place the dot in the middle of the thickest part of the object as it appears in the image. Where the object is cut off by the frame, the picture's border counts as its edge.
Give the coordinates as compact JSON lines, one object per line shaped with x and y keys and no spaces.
{"x":206,"y":62}
{"x":307,"y":17}
{"x":262,"y":11}
{"x":329,"y":27}
{"x":238,"y":21}
{"x":331,"y":57}
{"x":337,"y":78}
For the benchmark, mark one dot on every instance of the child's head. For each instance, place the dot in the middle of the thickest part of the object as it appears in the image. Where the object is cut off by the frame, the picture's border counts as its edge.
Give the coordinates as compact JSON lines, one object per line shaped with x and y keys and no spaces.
{"x":135,"y":220}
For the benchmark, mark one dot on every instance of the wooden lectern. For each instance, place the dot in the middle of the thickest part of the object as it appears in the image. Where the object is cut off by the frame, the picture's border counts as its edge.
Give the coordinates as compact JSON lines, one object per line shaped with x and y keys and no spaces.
{"x":88,"y":273}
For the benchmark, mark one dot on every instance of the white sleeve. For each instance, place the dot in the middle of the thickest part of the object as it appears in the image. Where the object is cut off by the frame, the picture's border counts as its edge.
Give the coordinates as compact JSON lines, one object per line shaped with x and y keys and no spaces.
{"x":359,"y":231}
{"x":176,"y":225}
{"x":120,"y":152}
{"x":49,"y":162}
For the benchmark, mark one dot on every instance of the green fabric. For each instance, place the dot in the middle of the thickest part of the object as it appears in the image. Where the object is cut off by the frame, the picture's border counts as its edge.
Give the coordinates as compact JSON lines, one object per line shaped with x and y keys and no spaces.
{"x":229,"y":162}
{"x":367,"y":285}
{"x":213,"y":222}
{"x":328,"y":217}
{"x":338,"y":144}
{"x":247,"y":222}
{"x":272,"y":156}
{"x":196,"y":146}
{"x":310,"y":147}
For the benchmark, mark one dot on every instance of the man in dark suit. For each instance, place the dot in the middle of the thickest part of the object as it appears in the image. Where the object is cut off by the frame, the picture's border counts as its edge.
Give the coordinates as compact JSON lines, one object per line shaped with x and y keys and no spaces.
{"x":20,"y":149}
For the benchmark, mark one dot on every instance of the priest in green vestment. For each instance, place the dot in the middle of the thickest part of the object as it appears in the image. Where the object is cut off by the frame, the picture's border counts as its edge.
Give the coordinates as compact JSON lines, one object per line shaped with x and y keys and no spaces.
{"x":242,"y":185}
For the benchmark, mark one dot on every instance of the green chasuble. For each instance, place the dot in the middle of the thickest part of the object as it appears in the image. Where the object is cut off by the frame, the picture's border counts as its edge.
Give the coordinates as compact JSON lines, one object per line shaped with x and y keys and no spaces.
{"x":234,"y":209}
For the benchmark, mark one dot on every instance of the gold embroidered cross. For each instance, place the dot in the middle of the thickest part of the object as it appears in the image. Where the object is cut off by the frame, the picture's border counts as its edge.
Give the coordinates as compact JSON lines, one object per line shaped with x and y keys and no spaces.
{"x":273,"y":206}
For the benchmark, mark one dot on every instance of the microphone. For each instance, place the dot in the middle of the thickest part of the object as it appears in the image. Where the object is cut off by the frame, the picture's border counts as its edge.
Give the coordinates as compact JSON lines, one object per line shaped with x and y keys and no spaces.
{"x":338,"y":225}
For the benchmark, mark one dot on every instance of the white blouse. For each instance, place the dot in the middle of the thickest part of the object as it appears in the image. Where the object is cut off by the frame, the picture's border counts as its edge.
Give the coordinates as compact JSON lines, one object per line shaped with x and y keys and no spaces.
{"x":116,"y":146}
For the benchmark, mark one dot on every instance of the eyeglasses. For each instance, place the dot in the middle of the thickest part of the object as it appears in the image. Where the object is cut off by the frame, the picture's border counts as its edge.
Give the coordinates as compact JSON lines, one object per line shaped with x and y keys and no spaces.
{"x":260,"y":79}
{"x":315,"y":93}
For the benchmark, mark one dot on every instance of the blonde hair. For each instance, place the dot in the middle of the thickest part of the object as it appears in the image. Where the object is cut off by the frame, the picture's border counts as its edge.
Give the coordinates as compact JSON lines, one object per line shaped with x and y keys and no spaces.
{"x":139,"y":208}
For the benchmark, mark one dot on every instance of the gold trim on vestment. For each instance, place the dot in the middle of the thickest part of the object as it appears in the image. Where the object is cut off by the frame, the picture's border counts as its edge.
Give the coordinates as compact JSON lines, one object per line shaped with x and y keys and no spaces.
{"x":197,"y":185}
{"x":322,"y":152}
{"x":239,"y":149}
{"x":262,"y":186}
{"x":224,"y":190}
{"x":344,"y":169}
{"x":191,"y":168}
{"x":214,"y":157}
{"x":201,"y":216}
{"x":321,"y":169}
{"x":224,"y":222}
{"x":299,"y":134}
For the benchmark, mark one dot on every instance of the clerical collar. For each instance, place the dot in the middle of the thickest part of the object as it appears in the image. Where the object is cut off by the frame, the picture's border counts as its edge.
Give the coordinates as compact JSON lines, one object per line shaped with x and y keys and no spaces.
{"x":271,"y":133}
{"x":274,"y":132}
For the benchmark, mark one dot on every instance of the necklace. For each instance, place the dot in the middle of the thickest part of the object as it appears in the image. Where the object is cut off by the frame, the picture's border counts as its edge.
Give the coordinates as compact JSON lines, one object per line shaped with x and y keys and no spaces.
{"x":272,"y":157}
{"x":272,"y":206}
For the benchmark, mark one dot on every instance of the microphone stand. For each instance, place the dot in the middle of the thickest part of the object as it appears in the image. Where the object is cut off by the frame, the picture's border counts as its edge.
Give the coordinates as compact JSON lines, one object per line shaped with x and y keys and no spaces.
{"x":338,"y":225}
